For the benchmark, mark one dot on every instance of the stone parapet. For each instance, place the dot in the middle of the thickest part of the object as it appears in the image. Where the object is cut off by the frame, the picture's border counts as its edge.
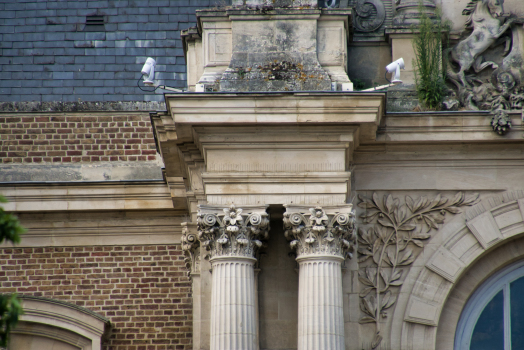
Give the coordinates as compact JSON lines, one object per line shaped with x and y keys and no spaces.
{"x":269,"y":48}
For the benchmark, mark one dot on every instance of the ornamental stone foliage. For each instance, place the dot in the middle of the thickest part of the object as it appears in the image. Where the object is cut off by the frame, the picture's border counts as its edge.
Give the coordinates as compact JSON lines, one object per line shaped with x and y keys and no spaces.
{"x":494,"y":84}
{"x":389,"y":243}
{"x":320,"y":232}
{"x":232,"y":232}
{"x":190,"y":246}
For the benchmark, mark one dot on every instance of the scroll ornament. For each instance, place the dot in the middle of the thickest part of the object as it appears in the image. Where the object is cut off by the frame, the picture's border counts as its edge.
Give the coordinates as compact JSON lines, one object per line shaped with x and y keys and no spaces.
{"x":369,"y":15}
{"x":190,"y":247}
{"x":389,"y":243}
{"x":320,"y":233}
{"x":233,"y":232}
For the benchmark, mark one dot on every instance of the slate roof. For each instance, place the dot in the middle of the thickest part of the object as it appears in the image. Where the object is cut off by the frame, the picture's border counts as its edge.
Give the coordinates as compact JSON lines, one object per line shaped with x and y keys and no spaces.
{"x":48,"y":53}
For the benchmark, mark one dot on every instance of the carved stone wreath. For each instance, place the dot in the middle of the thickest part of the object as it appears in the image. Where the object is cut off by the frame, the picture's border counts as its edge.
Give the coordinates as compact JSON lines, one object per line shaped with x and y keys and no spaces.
{"x":319,"y":232}
{"x":232,"y":232}
{"x":389,"y":245}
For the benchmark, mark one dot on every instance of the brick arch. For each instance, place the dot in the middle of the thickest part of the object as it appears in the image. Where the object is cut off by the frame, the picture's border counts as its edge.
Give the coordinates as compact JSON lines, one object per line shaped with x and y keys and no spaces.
{"x":454,"y":250}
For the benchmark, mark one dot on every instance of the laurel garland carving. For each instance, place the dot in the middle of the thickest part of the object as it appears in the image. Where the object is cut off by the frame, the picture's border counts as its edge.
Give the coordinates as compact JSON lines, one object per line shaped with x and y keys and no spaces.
{"x":233,"y":232}
{"x":388,"y":244}
{"x":319,"y":232}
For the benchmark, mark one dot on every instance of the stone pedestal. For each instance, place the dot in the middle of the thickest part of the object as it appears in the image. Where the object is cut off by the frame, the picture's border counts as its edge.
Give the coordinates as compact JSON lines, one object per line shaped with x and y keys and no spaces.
{"x":401,"y":41}
{"x":233,"y":304}
{"x":322,"y":238}
{"x":410,"y":11}
{"x":267,"y":45}
{"x":320,"y":312}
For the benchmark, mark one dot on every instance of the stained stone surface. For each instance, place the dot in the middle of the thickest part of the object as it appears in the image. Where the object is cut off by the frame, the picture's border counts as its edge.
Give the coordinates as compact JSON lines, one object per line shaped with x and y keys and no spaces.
{"x":275,"y":55}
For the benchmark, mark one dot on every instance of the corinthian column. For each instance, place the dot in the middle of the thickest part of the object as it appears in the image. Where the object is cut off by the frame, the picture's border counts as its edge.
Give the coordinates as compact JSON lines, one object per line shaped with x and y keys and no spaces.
{"x":322,"y":238}
{"x":232,"y":238}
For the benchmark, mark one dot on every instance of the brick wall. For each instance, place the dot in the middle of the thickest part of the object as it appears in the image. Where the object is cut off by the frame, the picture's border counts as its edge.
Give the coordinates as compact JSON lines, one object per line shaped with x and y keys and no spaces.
{"x":143,"y":290}
{"x":70,"y":138}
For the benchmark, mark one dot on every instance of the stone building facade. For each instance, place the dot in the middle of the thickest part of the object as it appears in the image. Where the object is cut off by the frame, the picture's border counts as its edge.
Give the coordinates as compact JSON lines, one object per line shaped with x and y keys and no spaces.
{"x":270,"y":206}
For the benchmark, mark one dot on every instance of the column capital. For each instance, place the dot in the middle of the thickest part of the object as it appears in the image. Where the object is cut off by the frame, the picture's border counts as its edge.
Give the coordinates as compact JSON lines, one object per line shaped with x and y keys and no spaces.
{"x":320,"y":231}
{"x":232,"y":231}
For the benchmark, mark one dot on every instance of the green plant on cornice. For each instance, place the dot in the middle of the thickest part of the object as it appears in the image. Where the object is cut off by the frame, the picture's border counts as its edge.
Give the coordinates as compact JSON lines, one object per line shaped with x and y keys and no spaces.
{"x":430,"y":72}
{"x":389,"y":244}
{"x":358,"y":84}
{"x":10,"y":308}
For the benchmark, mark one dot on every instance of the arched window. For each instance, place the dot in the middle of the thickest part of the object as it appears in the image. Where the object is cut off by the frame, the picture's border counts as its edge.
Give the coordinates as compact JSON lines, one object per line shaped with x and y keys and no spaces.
{"x":493,"y":318}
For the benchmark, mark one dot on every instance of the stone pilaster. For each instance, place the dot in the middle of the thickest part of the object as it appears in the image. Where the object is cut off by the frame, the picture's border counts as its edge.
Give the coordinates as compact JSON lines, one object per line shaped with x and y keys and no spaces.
{"x":232,"y":236}
{"x":322,"y":238}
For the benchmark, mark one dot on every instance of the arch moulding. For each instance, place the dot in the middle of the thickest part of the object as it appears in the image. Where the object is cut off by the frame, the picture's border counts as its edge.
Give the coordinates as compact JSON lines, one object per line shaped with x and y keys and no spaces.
{"x":64,"y":322}
{"x":438,"y":277}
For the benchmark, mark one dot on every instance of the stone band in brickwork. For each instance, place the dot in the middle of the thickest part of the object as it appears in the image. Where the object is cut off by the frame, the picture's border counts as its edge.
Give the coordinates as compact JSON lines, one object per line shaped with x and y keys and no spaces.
{"x":142,"y":290}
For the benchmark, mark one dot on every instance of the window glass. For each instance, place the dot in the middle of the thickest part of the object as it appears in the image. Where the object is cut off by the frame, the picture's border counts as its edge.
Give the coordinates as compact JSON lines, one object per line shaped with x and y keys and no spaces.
{"x":489,"y":329}
{"x":493,"y":318}
{"x":517,"y":313}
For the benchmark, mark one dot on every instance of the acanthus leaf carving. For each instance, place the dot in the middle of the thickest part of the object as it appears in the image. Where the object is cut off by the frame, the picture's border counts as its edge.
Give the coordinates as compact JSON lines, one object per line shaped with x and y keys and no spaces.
{"x":315,"y":231}
{"x":191,"y":248}
{"x":231,"y":231}
{"x":388,"y":245}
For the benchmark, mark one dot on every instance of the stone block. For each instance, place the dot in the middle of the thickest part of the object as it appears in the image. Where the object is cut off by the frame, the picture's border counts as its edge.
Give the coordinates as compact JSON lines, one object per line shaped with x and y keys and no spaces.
{"x":422,"y":311}
{"x":485,"y":229}
{"x":446,"y":264}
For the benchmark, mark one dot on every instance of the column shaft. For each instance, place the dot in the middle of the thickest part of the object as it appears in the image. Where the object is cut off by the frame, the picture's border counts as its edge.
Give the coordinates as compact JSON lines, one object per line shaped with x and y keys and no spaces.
{"x":320,"y":304}
{"x":233,"y":312}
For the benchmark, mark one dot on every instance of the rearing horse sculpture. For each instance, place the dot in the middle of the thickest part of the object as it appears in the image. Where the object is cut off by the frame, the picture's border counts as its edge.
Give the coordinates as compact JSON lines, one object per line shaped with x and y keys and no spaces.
{"x":487,"y":29}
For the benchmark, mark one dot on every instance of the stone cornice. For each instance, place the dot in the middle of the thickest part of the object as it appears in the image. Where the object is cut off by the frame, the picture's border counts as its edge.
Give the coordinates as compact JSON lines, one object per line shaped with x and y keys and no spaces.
{"x":86,"y":196}
{"x":286,"y":136}
{"x":446,"y":127}
{"x":282,"y":108}
{"x":106,"y":227}
{"x":320,"y":231}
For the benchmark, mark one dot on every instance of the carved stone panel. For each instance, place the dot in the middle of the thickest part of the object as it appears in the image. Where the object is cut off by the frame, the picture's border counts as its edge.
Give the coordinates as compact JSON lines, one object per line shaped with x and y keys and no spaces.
{"x":388,"y":247}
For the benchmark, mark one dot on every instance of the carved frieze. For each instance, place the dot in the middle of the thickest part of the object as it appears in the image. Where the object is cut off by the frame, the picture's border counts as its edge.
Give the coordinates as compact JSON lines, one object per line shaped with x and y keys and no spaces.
{"x":320,"y":231}
{"x":389,"y":246}
{"x":232,"y":231}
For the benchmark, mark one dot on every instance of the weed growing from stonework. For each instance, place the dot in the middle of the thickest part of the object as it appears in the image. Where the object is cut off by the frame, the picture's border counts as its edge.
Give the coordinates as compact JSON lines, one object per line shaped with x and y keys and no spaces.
{"x":430,"y":73}
{"x":10,"y":308}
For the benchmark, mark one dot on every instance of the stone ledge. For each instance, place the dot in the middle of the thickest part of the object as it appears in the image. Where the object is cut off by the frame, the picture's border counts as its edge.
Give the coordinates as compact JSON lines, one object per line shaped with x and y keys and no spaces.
{"x":77,"y":172}
{"x":81,"y":106}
